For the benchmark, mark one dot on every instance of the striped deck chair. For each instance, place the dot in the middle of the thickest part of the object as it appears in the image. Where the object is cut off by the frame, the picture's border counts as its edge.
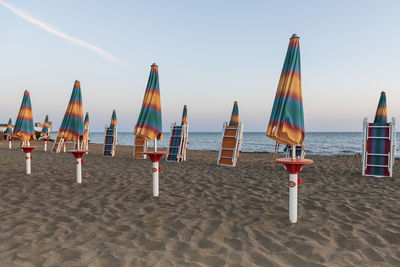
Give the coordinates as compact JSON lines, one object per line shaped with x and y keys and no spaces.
{"x":139,"y":148}
{"x":231,"y":144}
{"x":379,"y":143}
{"x":232,"y":135}
{"x":178,"y":143}
{"x":110,"y":141}
{"x":300,"y":152}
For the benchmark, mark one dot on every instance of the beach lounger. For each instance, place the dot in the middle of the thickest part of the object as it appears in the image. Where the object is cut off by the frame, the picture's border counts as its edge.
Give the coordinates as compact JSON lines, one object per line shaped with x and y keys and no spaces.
{"x":139,"y":148}
{"x":110,"y":142}
{"x":300,"y":152}
{"x":379,"y":146}
{"x":178,"y":143}
{"x":231,"y":144}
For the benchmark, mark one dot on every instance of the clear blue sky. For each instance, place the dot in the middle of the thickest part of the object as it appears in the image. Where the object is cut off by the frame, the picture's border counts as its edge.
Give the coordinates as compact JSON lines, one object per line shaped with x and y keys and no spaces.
{"x":209,"y":53}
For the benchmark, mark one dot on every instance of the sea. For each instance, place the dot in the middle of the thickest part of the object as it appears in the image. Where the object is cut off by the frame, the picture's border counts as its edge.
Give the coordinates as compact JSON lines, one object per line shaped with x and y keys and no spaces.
{"x":315,"y":143}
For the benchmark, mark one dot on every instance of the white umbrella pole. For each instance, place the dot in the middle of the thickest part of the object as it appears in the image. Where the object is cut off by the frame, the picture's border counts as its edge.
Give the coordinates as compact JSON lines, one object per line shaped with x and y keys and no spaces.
{"x":293,"y":198}
{"x":155,"y":145}
{"x":65,"y":147}
{"x":79,"y":170}
{"x":28,"y":163}
{"x":9,"y":144}
{"x":293,"y":151}
{"x":45,"y":145}
{"x":155,"y":179}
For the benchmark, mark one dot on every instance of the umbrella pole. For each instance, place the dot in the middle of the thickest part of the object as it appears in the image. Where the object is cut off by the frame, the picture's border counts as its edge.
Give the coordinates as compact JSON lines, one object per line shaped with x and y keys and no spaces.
{"x":155,"y":179}
{"x":79,"y":170}
{"x":293,"y":197}
{"x":293,"y":151}
{"x":9,"y":143}
{"x":28,"y":163}
{"x":155,"y":145}
{"x":45,"y":145}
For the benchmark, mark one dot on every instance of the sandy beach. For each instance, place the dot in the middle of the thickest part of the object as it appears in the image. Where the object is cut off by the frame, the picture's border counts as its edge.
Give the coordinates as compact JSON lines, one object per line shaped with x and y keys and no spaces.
{"x":206,"y":215}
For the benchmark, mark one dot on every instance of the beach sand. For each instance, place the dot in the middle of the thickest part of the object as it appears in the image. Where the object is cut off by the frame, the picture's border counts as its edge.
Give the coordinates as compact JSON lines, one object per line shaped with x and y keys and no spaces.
{"x":206,"y":215}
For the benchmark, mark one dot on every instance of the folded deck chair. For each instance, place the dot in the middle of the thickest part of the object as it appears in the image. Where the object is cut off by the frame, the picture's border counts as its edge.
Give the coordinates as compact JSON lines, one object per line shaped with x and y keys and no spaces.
{"x":300,"y":152}
{"x":178,"y":143}
{"x":139,"y":148}
{"x":178,"y":140}
{"x":232,"y":135}
{"x":379,"y":143}
{"x":110,"y":142}
{"x":379,"y":146}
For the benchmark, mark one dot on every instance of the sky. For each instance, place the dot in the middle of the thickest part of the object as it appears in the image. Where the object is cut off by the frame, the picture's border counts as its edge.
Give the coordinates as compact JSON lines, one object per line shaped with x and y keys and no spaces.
{"x":210,"y":53}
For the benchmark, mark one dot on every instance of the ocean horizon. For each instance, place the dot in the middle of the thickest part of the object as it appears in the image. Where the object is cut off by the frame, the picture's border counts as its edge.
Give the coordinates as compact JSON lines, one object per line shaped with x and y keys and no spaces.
{"x":315,"y":143}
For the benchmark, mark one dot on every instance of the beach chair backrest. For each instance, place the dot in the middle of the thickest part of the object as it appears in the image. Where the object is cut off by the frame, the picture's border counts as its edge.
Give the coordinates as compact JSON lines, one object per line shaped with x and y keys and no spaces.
{"x":139,"y":148}
{"x":378,"y":148}
{"x":300,"y":152}
{"x":178,"y":143}
{"x":110,"y":141}
{"x":231,"y":145}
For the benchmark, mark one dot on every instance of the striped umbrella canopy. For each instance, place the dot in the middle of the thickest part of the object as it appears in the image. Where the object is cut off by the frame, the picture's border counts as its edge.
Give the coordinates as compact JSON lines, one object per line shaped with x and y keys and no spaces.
{"x":86,"y":126}
{"x":381,"y":111}
{"x":45,"y":128}
{"x":234,"y":121}
{"x":23,"y":129}
{"x":71,"y":128}
{"x":184,"y":115}
{"x":286,"y":124}
{"x":149,"y":124}
{"x":113,"y":123}
{"x":9,"y":130}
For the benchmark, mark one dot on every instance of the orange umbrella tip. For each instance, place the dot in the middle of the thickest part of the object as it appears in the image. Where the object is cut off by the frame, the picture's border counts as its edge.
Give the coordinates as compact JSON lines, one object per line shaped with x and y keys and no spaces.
{"x":383,"y":93}
{"x":26,"y":92}
{"x":294,"y":36}
{"x":154,"y":65}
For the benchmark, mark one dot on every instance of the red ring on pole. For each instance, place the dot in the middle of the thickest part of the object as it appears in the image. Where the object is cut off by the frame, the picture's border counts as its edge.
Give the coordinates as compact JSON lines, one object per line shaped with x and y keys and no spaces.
{"x":292,"y":184}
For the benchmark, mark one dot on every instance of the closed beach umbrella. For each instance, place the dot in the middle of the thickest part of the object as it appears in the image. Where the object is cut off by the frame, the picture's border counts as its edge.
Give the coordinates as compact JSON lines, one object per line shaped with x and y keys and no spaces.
{"x":184,"y":115}
{"x":286,"y":124}
{"x":71,"y":128}
{"x":381,"y":111}
{"x":45,"y":131}
{"x":234,"y":121}
{"x":8,"y":132}
{"x":23,"y":129}
{"x":113,"y":123}
{"x":149,"y":125}
{"x":86,"y":125}
{"x":45,"y":128}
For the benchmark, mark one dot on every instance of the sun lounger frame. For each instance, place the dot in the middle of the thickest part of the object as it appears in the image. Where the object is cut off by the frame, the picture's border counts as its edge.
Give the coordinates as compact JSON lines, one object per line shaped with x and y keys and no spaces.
{"x":392,"y":147}
{"x":113,"y":143}
{"x":139,"y":154}
{"x":183,"y":139}
{"x":238,"y":143}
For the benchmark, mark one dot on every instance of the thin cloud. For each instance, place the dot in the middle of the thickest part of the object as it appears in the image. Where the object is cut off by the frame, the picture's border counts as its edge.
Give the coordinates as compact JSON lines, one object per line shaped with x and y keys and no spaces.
{"x":58,"y":33}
